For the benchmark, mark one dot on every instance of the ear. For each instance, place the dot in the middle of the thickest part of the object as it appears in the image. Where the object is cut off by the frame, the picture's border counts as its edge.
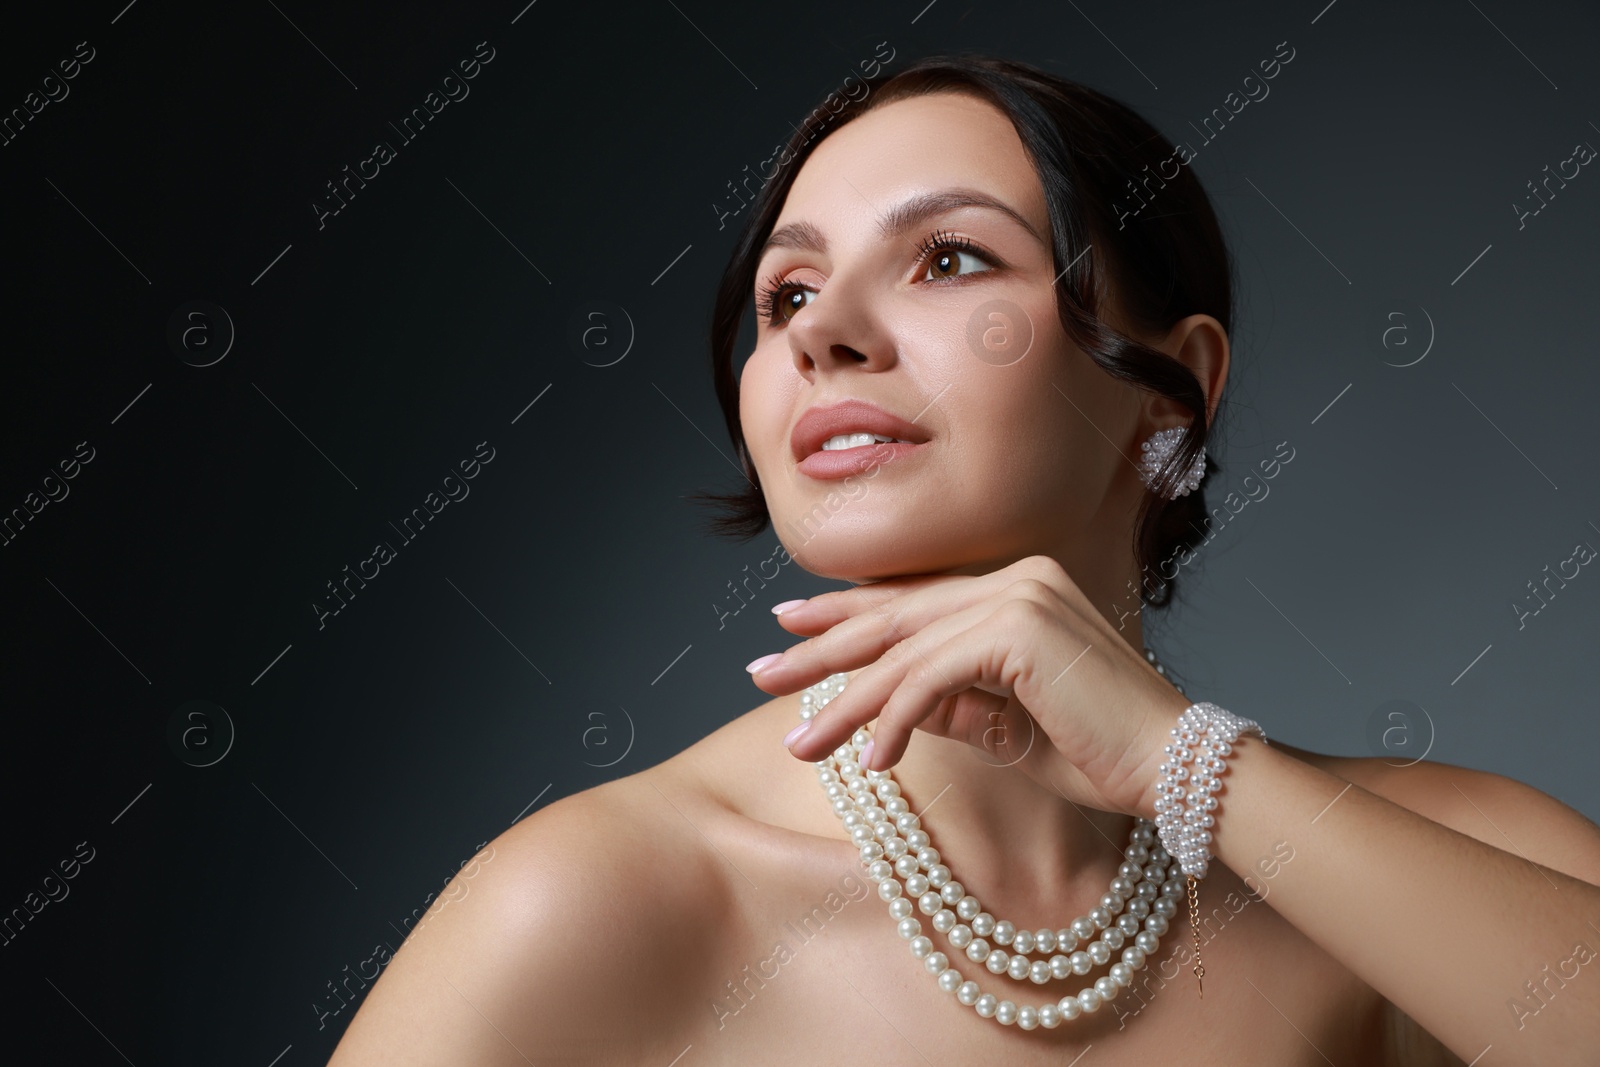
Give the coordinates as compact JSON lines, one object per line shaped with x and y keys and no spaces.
{"x":1200,"y":343}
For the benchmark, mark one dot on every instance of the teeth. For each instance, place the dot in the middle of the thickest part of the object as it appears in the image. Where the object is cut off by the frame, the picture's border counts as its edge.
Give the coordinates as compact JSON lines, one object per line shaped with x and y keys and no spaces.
{"x":853,"y":440}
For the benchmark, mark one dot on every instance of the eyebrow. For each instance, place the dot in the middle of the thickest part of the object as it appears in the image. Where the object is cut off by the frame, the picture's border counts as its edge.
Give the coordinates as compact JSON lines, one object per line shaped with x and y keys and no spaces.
{"x":805,"y":237}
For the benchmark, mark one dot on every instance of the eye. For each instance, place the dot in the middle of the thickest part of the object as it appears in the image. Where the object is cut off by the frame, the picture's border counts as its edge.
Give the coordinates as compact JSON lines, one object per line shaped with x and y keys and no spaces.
{"x":947,"y":256}
{"x":778,"y":301}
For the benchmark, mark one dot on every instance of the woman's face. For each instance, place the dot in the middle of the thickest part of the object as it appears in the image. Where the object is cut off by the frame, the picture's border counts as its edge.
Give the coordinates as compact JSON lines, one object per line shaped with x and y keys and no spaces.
{"x":1017,"y":442}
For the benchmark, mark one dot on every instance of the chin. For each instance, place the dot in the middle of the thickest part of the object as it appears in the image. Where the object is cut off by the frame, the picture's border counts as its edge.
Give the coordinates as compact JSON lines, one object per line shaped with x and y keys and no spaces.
{"x":867,"y":551}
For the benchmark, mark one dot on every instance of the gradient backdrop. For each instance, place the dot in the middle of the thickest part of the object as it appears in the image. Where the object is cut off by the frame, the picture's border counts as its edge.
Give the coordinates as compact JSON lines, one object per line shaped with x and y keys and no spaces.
{"x":223,"y":387}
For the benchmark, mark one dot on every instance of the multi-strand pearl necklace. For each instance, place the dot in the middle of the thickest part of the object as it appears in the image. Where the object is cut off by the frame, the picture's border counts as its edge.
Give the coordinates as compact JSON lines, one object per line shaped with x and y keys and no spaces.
{"x":898,"y":857}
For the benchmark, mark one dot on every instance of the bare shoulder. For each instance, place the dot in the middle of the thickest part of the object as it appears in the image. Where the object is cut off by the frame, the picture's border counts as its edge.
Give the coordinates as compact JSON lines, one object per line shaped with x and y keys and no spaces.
{"x":570,"y":944}
{"x":1493,"y":808}
{"x":1488,"y":807}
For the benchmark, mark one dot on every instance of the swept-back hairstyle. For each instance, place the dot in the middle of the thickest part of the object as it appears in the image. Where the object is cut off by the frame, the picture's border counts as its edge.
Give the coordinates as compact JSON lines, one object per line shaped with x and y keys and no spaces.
{"x":1090,"y":153}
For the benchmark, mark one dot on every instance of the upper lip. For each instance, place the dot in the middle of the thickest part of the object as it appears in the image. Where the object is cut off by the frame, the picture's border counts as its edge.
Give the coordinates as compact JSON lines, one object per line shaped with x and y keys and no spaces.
{"x":820,"y":422}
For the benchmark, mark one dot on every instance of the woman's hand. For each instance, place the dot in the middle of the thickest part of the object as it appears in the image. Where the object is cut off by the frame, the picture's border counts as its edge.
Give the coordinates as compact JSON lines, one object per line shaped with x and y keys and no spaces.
{"x":1018,"y":654}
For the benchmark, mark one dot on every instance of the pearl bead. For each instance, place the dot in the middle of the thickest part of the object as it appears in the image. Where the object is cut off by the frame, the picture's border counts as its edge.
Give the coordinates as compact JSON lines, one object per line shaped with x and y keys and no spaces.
{"x":895,"y":849}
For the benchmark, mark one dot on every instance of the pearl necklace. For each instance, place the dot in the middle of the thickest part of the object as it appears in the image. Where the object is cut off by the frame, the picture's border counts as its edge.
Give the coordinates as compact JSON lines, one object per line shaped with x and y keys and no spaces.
{"x":898,"y":856}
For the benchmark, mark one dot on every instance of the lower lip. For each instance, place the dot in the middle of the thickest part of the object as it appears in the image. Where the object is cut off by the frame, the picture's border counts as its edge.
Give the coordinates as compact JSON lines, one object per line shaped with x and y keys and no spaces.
{"x":841,"y":462}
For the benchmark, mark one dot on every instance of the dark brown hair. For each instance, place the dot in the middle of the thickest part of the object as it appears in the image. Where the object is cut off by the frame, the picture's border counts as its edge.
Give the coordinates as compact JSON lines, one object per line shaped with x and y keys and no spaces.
{"x":1090,"y":152}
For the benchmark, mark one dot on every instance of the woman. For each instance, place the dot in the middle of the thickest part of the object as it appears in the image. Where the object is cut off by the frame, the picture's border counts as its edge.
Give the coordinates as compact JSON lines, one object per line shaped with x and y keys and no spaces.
{"x":953,"y":268}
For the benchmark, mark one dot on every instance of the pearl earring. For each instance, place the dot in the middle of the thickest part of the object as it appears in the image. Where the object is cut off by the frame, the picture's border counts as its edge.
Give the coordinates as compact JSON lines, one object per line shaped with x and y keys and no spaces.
{"x":1157,"y":451}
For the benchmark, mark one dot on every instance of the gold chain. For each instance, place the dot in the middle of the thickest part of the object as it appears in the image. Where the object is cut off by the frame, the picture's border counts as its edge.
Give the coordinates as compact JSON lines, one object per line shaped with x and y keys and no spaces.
{"x":1194,"y":931}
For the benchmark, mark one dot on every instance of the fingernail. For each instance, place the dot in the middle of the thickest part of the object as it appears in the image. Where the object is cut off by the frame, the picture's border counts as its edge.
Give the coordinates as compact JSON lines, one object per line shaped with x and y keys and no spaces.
{"x":779,"y":609}
{"x":866,"y":753}
{"x":756,"y":664}
{"x":794,"y":735}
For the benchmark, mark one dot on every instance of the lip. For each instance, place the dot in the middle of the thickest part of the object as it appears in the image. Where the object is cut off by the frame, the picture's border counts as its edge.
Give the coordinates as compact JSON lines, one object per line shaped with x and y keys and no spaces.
{"x":820,"y":422}
{"x":842,"y":462}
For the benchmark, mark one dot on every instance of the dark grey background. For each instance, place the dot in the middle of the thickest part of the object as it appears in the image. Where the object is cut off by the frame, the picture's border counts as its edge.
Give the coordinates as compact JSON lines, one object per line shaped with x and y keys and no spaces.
{"x":560,"y":626}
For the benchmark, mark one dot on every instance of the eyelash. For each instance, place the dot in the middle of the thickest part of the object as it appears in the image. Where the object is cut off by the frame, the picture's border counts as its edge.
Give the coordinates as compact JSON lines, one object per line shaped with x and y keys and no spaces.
{"x":773,"y":289}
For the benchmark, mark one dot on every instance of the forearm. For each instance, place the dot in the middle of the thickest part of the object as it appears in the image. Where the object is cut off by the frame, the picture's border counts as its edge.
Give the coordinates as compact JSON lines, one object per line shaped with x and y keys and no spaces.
{"x":1446,"y":927}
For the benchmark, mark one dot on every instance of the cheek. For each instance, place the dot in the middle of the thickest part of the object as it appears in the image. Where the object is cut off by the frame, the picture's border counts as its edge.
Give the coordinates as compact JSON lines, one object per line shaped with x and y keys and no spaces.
{"x":765,"y":403}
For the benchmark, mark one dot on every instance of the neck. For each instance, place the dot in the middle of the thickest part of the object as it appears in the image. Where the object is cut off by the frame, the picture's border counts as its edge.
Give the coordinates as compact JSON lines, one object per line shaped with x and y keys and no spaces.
{"x":1029,"y":853}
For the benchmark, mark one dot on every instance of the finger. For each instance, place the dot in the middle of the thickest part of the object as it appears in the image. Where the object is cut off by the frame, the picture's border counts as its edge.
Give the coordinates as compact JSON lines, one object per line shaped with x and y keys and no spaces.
{"x":978,"y":657}
{"x":860,"y":637}
{"x":863,"y":699}
{"x":824,"y":610}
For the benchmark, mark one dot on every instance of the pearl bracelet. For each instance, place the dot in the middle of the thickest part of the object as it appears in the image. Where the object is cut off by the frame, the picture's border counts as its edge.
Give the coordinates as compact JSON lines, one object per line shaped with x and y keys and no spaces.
{"x":1192,"y":776}
{"x":1186,"y":796}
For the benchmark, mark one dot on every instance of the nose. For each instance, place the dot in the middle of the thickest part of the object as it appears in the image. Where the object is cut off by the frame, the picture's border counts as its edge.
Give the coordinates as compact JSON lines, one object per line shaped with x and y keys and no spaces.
{"x":837,"y":332}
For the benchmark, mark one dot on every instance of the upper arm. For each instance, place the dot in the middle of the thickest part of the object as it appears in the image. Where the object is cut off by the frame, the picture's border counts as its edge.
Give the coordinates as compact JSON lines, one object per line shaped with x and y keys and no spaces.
{"x":571,"y":947}
{"x":1493,"y":808}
